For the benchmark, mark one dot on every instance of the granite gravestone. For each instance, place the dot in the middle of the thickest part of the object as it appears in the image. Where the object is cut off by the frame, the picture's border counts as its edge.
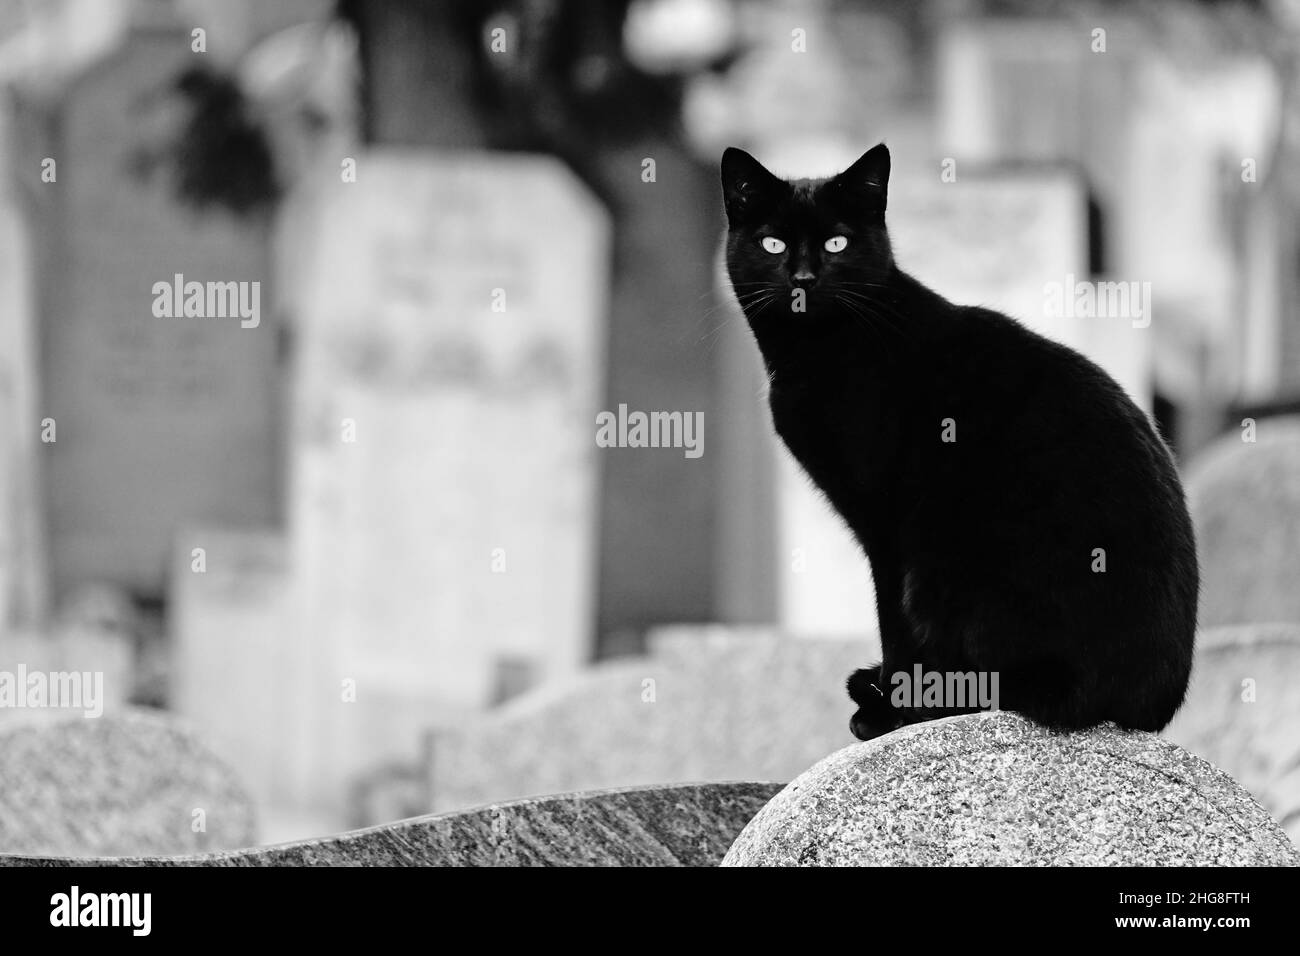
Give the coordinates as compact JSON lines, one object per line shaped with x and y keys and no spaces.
{"x":160,"y":420}
{"x":131,"y":784}
{"x":1242,"y":711}
{"x":993,"y":789}
{"x":689,"y":825}
{"x":443,"y":444}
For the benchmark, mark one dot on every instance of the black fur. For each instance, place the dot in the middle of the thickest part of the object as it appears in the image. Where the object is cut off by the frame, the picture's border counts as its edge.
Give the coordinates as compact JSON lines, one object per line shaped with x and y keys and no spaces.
{"x":982,"y":548}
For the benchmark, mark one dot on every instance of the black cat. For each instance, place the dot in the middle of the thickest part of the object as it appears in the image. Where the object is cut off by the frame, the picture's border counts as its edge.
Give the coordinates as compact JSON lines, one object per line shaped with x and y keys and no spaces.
{"x":1021,"y":516}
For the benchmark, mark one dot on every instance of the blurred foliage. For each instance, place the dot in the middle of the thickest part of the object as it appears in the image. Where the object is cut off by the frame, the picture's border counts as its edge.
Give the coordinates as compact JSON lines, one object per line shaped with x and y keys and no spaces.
{"x":563,"y":85}
{"x":222,"y":156}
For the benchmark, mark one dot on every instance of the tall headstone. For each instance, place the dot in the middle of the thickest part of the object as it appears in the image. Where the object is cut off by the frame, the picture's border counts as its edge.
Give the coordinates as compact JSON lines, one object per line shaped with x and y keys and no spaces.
{"x":1190,"y":224}
{"x":1005,"y":238}
{"x":443,"y":460}
{"x":661,"y":557}
{"x":22,"y":558}
{"x":160,"y":420}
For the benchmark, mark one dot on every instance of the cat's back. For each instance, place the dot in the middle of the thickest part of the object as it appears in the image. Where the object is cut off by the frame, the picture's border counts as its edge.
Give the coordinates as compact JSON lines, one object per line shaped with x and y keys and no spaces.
{"x":1027,"y":435}
{"x":1020,"y":391}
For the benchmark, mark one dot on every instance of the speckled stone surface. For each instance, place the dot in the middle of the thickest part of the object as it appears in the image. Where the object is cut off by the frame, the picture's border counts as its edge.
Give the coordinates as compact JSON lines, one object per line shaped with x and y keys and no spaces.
{"x":708,"y":704}
{"x":690,"y":825}
{"x":124,"y":784}
{"x":1243,"y":713}
{"x":1245,"y":503}
{"x":995,"y":789}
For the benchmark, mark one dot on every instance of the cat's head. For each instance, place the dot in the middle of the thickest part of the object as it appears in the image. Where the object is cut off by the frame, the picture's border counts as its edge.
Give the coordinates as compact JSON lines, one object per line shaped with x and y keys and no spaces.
{"x":795,"y":248}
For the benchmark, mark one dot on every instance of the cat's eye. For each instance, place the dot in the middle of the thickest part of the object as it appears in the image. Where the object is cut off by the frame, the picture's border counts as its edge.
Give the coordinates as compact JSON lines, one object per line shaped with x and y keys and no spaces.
{"x":773,"y":245}
{"x":836,"y":244}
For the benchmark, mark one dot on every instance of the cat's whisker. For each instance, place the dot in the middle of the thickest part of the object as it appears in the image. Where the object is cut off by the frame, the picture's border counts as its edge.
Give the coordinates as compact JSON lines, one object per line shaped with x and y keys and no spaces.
{"x":756,"y":300}
{"x":730,"y":302}
{"x":885,"y":309}
{"x":870,"y":321}
{"x":868,"y":309}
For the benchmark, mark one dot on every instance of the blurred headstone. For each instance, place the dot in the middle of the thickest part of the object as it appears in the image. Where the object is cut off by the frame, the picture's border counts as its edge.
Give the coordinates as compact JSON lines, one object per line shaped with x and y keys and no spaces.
{"x":1244,"y":496}
{"x":810,"y":78}
{"x":1056,"y":90}
{"x":1242,"y":711}
{"x":232,"y":673}
{"x":1014,"y":239}
{"x":160,"y":420}
{"x":661,"y":559}
{"x":706,"y":704}
{"x":93,"y":659}
{"x":132,"y":784}
{"x":1159,"y":131}
{"x":23,"y":584}
{"x":1190,"y":224}
{"x":444,"y":447}
{"x":1045,"y":89}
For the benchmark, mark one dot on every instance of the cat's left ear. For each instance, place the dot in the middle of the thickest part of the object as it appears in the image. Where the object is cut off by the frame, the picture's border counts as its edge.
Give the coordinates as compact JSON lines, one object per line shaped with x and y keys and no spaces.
{"x":869,"y":176}
{"x":746,"y":183}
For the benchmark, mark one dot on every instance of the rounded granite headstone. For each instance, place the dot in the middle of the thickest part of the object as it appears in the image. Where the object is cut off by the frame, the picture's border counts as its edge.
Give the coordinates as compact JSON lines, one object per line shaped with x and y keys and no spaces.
{"x":134,"y":783}
{"x":1245,"y":503}
{"x":994,"y":789}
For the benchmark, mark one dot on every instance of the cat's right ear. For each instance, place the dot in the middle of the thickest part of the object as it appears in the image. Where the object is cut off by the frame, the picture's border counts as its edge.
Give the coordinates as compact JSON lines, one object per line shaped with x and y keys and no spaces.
{"x":745,"y":183}
{"x":868,"y":178}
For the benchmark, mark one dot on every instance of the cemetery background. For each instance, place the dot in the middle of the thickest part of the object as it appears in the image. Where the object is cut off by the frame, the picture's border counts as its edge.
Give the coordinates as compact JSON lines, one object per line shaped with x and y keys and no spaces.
{"x":368,"y":550}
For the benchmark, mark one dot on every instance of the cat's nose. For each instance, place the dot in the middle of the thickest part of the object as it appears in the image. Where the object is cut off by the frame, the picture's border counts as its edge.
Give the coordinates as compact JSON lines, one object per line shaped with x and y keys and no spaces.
{"x":804,"y":278}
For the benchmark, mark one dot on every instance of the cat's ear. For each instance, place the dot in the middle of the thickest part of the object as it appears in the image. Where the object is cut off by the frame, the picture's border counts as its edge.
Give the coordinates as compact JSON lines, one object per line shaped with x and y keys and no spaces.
{"x":868,"y":177}
{"x":745,"y":183}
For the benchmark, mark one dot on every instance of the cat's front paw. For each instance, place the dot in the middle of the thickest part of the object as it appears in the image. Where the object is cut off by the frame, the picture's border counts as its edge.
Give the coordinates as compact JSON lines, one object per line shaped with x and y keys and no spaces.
{"x":874,"y":716}
{"x":864,"y":690}
{"x":867,"y":725}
